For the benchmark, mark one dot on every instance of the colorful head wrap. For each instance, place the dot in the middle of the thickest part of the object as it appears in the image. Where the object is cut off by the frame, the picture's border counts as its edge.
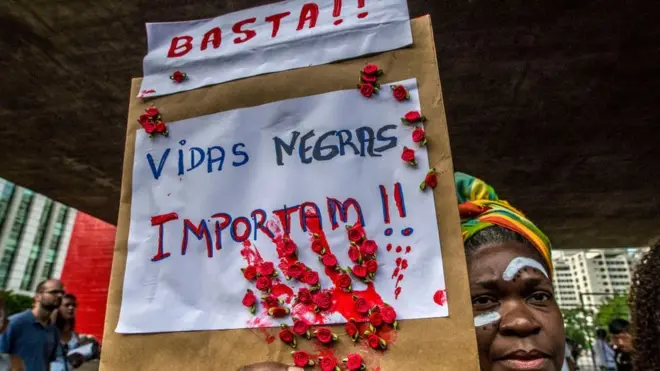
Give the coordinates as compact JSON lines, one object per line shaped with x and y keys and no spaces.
{"x":480,"y":208}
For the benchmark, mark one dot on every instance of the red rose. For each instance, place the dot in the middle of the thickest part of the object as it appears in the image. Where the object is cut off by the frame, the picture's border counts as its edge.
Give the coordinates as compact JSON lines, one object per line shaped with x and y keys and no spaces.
{"x":149,"y":127}
{"x":296,"y":271}
{"x":361,"y":306}
{"x":359,"y":271}
{"x":178,"y":76}
{"x":431,"y":180}
{"x":372,"y":266}
{"x":344,"y":281}
{"x":351,"y":329}
{"x":288,"y":247}
{"x":160,"y":127}
{"x":400,"y":93}
{"x":354,"y":254}
{"x":369,"y":79}
{"x":311,"y":278}
{"x":419,"y":136}
{"x":323,"y":300}
{"x":370,"y":69}
{"x":152,"y":112}
{"x":271,"y":301}
{"x":263,"y":283}
{"x":324,"y":335}
{"x":250,"y":272}
{"x":354,"y":362}
{"x":376,"y":319}
{"x":317,"y":247}
{"x":374,"y":341}
{"x":266,"y":269}
{"x":413,"y":116}
{"x":287,"y":336}
{"x":301,"y":359}
{"x":369,"y":247}
{"x":389,"y":314}
{"x":408,"y":155}
{"x":328,"y":364}
{"x":329,"y":260}
{"x":249,"y":299}
{"x":278,"y":312}
{"x":355,"y":234}
{"x":300,"y":327}
{"x":304,"y":296}
{"x":367,"y":90}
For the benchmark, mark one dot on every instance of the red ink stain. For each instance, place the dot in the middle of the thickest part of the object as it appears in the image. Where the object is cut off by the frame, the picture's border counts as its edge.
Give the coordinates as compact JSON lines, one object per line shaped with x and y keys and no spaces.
{"x":280,"y":289}
{"x":398,"y":262}
{"x":145,"y":92}
{"x":396,"y":272}
{"x":408,"y":249}
{"x":398,"y":249}
{"x":397,"y":292}
{"x":440,"y":298}
{"x":363,"y":15}
{"x":389,"y":247}
{"x":251,"y":254}
{"x":404,"y":264}
{"x":337,"y":22}
{"x":398,"y":280}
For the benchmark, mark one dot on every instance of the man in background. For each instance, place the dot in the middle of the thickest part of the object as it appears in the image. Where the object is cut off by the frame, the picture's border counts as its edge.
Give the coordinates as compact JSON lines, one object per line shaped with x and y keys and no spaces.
{"x":31,"y":335}
{"x":622,"y":341}
{"x":603,"y":353}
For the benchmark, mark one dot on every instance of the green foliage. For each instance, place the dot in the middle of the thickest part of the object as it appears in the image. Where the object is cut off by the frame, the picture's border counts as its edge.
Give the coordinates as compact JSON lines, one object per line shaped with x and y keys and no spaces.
{"x":616,"y":307}
{"x":577,"y":328}
{"x":15,"y":303}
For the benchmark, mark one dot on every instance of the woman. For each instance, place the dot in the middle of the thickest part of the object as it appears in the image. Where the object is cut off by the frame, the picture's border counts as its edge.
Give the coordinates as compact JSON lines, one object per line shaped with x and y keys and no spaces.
{"x":70,"y":340}
{"x":645,"y":312}
{"x":517,"y":320}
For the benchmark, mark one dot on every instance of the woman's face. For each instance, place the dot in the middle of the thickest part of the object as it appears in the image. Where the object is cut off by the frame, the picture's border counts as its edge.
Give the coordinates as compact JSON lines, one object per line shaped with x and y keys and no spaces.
{"x":517,"y":320}
{"x":68,"y":308}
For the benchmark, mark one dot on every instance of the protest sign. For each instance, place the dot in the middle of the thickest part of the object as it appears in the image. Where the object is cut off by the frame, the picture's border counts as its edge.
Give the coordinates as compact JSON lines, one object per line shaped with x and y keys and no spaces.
{"x":423,"y":344}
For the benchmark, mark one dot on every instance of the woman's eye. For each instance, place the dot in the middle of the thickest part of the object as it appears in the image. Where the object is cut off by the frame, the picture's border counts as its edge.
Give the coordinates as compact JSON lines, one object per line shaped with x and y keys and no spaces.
{"x":540,"y":297}
{"x":483,"y":301}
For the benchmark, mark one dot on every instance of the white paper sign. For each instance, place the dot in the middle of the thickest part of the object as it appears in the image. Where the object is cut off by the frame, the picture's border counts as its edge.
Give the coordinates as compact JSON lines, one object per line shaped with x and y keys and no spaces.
{"x":270,"y":38}
{"x":214,"y":195}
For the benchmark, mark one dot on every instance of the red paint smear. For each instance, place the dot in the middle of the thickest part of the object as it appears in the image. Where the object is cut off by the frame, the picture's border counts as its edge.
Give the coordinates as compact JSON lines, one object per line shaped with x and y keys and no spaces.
{"x":408,"y":249}
{"x":251,"y":254}
{"x":440,"y":297}
{"x":395,"y":273}
{"x":261,"y":325}
{"x":398,"y":262}
{"x":363,"y":15}
{"x":397,"y":292}
{"x":404,"y":264}
{"x":398,"y":249}
{"x":389,"y":247}
{"x":398,"y":280}
{"x":162,"y":219}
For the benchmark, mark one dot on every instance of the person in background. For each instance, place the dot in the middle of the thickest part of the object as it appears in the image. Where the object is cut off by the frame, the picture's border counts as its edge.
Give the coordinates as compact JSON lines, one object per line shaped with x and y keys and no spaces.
{"x":8,"y":361}
{"x":645,"y":311}
{"x":622,"y":341}
{"x":603,"y":353}
{"x":30,"y":334}
{"x":65,"y":321}
{"x":518,"y":322}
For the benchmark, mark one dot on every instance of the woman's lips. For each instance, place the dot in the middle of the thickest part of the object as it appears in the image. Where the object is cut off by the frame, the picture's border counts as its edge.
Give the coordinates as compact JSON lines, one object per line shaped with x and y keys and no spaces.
{"x":524,"y":364}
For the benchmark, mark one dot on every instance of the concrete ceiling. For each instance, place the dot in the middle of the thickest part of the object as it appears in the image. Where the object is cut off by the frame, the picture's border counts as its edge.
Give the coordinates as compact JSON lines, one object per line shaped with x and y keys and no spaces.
{"x":556,"y":103}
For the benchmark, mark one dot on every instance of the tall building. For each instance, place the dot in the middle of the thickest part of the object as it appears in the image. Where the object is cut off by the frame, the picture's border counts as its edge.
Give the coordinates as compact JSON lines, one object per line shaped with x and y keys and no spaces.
{"x":588,"y":277}
{"x":34,"y":237}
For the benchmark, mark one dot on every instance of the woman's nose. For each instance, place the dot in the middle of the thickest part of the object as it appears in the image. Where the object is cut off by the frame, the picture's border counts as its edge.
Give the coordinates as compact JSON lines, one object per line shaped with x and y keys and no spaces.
{"x":518,"y":320}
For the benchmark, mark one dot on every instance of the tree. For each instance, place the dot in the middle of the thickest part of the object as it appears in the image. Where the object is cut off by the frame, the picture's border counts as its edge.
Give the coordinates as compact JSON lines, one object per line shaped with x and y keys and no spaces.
{"x":615,"y":307}
{"x":15,"y":303}
{"x":578,"y":328}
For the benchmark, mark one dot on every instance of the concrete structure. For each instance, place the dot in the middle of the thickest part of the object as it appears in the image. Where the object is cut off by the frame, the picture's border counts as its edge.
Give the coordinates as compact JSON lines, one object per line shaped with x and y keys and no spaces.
{"x":554,"y":103}
{"x":34,"y":237}
{"x":596,"y":274}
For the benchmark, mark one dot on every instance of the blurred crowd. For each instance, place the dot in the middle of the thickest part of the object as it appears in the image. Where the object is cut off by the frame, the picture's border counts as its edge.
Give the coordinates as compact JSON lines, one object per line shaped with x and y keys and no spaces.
{"x":44,"y":336}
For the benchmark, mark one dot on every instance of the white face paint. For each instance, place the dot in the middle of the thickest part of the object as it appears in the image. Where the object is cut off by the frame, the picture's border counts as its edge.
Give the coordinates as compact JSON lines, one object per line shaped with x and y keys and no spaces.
{"x":486,"y":319}
{"x":519,"y":263}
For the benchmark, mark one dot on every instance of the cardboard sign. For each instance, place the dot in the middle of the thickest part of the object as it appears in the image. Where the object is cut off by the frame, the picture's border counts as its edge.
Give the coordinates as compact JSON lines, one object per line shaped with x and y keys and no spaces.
{"x":420,"y":344}
{"x":271,"y":38}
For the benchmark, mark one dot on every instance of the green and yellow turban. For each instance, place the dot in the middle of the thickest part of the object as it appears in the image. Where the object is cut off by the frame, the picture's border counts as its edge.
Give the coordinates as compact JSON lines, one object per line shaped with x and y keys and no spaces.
{"x":480,"y":208}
